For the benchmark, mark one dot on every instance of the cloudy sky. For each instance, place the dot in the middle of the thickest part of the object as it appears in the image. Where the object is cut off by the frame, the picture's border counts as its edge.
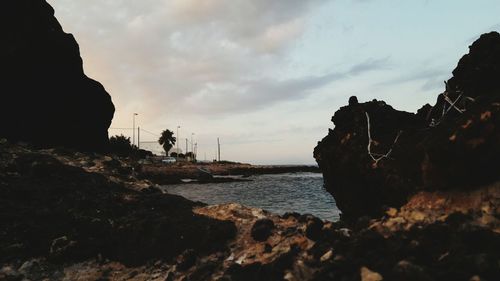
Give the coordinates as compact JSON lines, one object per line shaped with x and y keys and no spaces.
{"x":267,"y":75}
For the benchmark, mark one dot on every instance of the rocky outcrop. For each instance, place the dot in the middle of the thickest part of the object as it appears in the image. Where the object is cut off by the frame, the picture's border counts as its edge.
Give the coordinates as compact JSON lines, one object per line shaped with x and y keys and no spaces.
{"x":46,"y":97}
{"x":377,"y":157}
{"x":67,"y":206}
{"x":74,"y":216}
{"x":360,"y":184}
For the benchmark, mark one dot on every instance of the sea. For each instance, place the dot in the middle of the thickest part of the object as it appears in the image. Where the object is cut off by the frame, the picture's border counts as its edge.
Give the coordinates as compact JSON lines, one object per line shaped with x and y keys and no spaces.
{"x":278,"y":193}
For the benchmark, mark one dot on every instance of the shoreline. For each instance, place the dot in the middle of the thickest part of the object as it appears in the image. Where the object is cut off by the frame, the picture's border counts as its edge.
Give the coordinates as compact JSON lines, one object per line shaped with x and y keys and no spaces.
{"x":209,"y":172}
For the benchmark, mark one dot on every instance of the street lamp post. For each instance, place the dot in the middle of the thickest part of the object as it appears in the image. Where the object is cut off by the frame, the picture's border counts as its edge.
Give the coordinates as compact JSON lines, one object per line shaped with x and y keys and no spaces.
{"x":133,"y":128}
{"x":195,"y":150}
{"x":192,"y":134}
{"x":177,"y":142}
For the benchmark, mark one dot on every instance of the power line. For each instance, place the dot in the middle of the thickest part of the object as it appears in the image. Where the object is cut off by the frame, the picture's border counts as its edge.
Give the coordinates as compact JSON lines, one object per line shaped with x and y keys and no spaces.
{"x":150,"y":132}
{"x":146,"y":131}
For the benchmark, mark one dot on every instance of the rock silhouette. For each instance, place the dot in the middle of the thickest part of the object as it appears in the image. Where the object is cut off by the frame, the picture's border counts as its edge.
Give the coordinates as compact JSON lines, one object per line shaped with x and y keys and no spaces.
{"x":47,"y":99}
{"x":453,"y":145}
{"x":68,"y":213}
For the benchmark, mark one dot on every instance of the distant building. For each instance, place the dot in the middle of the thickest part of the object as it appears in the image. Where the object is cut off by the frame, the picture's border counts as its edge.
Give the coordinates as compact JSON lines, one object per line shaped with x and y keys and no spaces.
{"x":175,"y":150}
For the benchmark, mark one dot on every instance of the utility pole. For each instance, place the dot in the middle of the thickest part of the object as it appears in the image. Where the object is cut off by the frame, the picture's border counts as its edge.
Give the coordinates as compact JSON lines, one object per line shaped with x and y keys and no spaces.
{"x":133,"y":128}
{"x":186,"y":146}
{"x":218,"y":149}
{"x":177,"y":140}
{"x":195,"y":150}
{"x":192,"y":150}
{"x":138,"y":137}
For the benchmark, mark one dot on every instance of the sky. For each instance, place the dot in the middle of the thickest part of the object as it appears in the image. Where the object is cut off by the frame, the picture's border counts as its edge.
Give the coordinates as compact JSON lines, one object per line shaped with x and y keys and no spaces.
{"x":265,"y":76}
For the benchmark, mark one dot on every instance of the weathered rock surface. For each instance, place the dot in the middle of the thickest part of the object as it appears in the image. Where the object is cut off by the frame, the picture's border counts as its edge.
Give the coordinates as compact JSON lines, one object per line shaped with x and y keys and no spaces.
{"x":359,"y":184}
{"x":71,"y":208}
{"x":114,"y":227}
{"x":66,"y":215}
{"x":46,"y":97}
{"x":452,"y":145}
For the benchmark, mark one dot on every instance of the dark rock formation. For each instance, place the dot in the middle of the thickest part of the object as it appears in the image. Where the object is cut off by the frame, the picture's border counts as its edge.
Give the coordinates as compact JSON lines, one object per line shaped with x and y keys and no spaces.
{"x":262,"y":229}
{"x":46,"y":97}
{"x":454,"y":144}
{"x":314,"y":228}
{"x":360,"y":186}
{"x":51,"y":209}
{"x":83,"y":216}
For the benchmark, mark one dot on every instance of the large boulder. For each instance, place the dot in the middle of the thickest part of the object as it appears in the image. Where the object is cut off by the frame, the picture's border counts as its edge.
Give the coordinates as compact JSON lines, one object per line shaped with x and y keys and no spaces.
{"x":360,"y":184}
{"x":47,"y":99}
{"x":454,"y":144}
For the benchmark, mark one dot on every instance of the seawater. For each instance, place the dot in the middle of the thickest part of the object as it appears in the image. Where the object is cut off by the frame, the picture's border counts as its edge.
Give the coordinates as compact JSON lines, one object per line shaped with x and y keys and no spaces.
{"x":295,"y":192}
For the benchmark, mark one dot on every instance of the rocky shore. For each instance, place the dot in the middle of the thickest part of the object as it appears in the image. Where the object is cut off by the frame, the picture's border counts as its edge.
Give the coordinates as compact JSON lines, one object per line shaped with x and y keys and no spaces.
{"x":419,"y":193}
{"x":212,"y":172}
{"x":73,"y":216}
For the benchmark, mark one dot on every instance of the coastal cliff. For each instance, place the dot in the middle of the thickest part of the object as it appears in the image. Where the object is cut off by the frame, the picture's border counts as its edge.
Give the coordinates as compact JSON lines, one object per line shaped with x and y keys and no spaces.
{"x":46,"y":97}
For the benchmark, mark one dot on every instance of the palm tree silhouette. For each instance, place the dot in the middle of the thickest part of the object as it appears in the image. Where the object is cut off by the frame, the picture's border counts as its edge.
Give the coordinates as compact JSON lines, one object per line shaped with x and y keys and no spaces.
{"x":167,"y":140}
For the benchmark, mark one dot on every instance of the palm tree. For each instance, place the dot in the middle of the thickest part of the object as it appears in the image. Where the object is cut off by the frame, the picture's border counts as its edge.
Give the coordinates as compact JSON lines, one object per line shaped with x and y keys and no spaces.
{"x":167,"y":140}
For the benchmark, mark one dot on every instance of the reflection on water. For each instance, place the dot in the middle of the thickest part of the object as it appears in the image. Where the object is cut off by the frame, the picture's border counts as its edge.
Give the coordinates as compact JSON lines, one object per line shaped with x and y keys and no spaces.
{"x":300,"y":192}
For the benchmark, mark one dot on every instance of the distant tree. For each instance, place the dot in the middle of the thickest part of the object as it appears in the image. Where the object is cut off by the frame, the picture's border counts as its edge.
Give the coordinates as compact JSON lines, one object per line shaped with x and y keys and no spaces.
{"x":181,"y":155}
{"x":120,"y":145}
{"x":173,"y":154}
{"x":167,"y":140}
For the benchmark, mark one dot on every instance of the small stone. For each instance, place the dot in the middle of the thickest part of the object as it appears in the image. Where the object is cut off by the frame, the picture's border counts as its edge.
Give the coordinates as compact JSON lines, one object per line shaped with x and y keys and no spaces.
{"x":262,"y":229}
{"x":475,"y":278}
{"x":391,"y":212}
{"x":345,"y":232}
{"x":288,"y":215}
{"x":485,"y":115}
{"x":368,"y":275}
{"x":417,"y":216}
{"x":289,"y":277}
{"x":314,"y":228}
{"x":328,"y":255}
{"x":405,"y":270}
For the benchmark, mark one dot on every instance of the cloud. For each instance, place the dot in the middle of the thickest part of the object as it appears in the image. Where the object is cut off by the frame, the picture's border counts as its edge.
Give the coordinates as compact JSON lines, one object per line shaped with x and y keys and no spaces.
{"x":253,"y":94}
{"x":189,"y":55}
{"x":430,"y":78}
{"x":213,"y":57}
